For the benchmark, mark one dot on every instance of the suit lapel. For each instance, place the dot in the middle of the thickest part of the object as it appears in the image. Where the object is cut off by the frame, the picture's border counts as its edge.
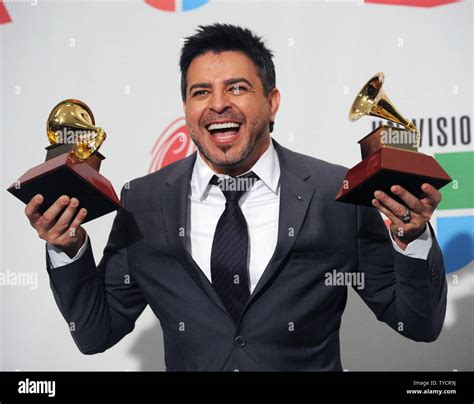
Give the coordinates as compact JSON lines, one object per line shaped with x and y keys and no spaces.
{"x":174,"y":203}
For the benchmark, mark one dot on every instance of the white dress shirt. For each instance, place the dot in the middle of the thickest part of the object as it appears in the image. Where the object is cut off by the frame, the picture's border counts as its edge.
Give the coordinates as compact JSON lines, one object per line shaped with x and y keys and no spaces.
{"x":260,"y":207}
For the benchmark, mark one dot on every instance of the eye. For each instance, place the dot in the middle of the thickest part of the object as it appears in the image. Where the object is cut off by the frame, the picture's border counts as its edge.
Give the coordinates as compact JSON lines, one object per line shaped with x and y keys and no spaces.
{"x":236,"y":89}
{"x":200,"y":92}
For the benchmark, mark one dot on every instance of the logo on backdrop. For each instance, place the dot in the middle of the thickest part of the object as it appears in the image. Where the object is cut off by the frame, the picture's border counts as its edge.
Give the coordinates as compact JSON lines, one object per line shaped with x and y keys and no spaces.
{"x":172,"y":145}
{"x":187,"y":5}
{"x":176,"y":5}
{"x":455,"y":219}
{"x":164,"y":5}
{"x":414,"y":3}
{"x":4,"y":16}
{"x":455,"y":232}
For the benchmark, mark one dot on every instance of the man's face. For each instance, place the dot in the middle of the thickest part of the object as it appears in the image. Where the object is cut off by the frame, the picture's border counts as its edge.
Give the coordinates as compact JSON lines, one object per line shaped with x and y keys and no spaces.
{"x":227,"y":113}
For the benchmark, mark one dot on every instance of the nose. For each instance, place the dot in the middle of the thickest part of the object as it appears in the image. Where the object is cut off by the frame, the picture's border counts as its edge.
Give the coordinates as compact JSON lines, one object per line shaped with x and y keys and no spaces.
{"x":219,"y":102}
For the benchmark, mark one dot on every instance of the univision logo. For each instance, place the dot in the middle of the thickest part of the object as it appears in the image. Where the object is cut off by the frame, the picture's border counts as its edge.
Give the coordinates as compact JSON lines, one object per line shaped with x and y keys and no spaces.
{"x":176,"y":5}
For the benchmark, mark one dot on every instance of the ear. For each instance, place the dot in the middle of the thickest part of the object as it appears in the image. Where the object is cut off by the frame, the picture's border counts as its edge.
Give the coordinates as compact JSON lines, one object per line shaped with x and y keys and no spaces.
{"x":274,"y":99}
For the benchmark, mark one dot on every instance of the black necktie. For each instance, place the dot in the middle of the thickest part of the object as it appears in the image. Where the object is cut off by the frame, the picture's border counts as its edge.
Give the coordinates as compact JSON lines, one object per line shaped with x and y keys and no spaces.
{"x":229,"y":270}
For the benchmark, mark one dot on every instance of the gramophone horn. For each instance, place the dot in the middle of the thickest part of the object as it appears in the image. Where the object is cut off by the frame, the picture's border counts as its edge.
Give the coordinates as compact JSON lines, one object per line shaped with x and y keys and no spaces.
{"x":373,"y":101}
{"x":72,"y":121}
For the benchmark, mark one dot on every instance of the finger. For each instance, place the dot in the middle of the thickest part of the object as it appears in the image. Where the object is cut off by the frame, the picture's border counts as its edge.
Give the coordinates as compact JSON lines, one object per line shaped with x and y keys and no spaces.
{"x":391,"y":204}
{"x":81,"y":215}
{"x":72,"y":232}
{"x":66,"y":218}
{"x":410,"y":200}
{"x":31,"y":209}
{"x":433,"y":196}
{"x":52,"y":212}
{"x":394,"y":219}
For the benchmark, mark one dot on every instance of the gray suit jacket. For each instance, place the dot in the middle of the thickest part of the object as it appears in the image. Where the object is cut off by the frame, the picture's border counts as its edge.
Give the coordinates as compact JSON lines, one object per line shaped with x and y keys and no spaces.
{"x":292,"y":319}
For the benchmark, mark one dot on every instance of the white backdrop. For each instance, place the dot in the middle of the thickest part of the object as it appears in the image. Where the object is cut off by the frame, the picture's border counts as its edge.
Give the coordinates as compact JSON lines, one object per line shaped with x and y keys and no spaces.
{"x":121,"y":58}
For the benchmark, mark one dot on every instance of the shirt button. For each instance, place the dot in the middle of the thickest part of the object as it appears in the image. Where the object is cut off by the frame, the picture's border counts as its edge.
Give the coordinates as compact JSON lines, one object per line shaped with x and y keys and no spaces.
{"x":239,"y":341}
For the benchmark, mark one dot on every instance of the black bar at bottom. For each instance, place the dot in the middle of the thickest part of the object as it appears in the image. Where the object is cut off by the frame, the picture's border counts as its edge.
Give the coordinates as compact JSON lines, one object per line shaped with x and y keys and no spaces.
{"x":407,"y":387}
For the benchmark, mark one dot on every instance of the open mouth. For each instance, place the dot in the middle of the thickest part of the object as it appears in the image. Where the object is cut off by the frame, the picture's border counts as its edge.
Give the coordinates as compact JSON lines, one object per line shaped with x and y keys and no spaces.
{"x":224,"y":132}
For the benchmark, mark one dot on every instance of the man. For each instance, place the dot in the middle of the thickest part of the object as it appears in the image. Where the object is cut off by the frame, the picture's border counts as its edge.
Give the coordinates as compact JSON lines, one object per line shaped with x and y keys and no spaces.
{"x":238,"y":274}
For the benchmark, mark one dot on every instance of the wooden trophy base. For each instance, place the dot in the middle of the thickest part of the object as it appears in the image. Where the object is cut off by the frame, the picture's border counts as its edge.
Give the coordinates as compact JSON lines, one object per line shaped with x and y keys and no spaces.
{"x":60,"y":175}
{"x":387,"y":167}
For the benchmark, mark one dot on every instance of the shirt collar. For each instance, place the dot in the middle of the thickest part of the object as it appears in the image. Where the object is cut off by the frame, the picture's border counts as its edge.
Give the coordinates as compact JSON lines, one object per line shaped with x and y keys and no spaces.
{"x":267,"y":168}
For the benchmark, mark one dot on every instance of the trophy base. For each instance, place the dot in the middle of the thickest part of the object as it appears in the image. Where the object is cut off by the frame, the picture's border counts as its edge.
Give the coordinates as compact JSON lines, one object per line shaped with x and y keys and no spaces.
{"x":388,"y":167}
{"x":61,"y":176}
{"x":56,"y":150}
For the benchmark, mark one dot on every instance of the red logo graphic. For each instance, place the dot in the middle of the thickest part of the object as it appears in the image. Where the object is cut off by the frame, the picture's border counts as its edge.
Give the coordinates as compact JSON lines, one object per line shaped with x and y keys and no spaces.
{"x":176,"y":5}
{"x":414,"y":3}
{"x":165,"y":5}
{"x":172,"y":145}
{"x":4,"y":16}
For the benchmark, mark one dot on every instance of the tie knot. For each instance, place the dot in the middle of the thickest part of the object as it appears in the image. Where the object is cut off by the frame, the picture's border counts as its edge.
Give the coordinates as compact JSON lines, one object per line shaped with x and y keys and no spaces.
{"x":234,"y":187}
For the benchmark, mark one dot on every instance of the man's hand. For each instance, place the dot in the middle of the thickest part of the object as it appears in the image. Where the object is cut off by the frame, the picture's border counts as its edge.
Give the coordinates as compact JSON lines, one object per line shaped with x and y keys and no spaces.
{"x":420,"y":211}
{"x":63,"y":232}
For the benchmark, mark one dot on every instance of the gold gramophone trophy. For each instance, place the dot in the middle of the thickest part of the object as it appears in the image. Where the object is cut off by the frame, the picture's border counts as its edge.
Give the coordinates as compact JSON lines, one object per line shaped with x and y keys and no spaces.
{"x":72,"y":163}
{"x":389,"y":154}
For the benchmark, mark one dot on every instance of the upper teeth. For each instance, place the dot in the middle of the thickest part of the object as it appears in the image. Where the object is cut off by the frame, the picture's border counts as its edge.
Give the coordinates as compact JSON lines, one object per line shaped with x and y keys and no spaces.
{"x":225,"y":125}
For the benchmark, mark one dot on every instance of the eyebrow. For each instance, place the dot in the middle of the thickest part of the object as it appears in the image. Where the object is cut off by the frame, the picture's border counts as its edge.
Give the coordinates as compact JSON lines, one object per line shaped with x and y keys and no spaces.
{"x":227,"y":82}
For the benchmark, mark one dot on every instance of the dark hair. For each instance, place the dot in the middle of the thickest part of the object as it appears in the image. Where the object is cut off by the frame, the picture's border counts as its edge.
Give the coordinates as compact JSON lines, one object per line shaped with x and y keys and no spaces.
{"x":226,"y":37}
